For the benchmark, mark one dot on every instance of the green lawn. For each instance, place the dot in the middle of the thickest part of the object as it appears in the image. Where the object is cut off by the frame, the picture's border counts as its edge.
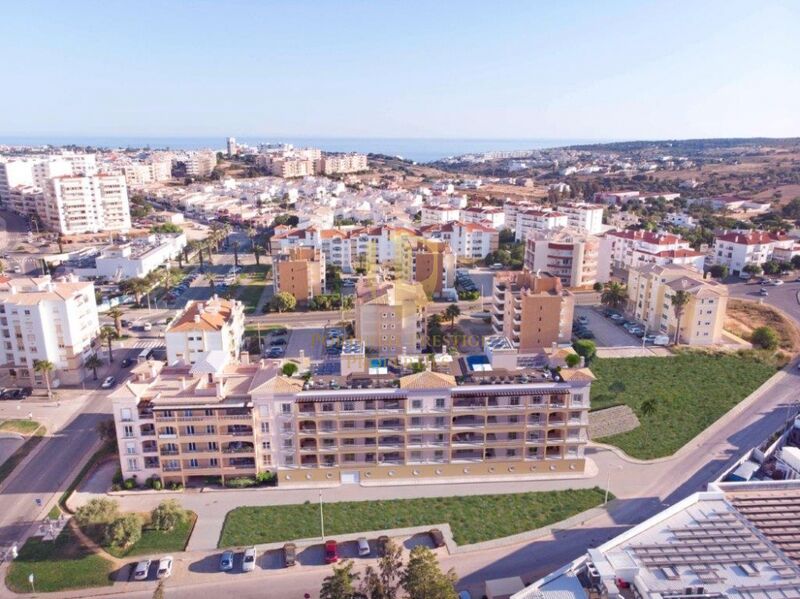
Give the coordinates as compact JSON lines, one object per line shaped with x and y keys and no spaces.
{"x":249,"y":296}
{"x":7,"y":467}
{"x":23,"y":427}
{"x":690,"y":391}
{"x":155,"y":541}
{"x":58,"y":565}
{"x":473,"y":518}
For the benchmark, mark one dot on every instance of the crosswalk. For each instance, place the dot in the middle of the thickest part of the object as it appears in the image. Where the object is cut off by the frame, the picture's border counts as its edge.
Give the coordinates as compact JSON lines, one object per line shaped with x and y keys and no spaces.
{"x":144,"y":344}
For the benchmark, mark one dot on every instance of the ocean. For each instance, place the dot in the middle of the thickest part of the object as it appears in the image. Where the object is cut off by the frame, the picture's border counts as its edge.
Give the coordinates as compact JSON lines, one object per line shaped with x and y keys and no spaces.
{"x":417,"y":149}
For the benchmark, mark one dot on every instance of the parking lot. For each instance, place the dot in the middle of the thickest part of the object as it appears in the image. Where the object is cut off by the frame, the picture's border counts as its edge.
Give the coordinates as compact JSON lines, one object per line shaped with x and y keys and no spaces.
{"x":612,"y":340}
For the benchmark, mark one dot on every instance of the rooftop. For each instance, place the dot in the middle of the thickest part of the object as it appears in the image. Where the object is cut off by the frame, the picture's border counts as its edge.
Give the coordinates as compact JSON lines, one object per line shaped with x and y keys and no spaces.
{"x":211,"y":315}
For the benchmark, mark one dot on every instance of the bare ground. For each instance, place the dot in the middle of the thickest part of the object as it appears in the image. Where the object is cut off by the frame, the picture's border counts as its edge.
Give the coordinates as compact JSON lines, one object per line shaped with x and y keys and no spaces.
{"x":744,"y":316}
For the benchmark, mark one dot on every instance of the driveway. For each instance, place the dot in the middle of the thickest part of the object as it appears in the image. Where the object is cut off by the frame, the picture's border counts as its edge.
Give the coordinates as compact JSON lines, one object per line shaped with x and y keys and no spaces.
{"x":612,"y":340}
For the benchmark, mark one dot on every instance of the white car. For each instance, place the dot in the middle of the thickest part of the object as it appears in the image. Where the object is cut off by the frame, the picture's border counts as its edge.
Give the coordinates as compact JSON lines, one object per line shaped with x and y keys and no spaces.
{"x":164,"y":567}
{"x":108,"y":382}
{"x":776,"y":282}
{"x":249,"y":561}
{"x":142,"y":569}
{"x":147,"y":326}
{"x":363,"y":546}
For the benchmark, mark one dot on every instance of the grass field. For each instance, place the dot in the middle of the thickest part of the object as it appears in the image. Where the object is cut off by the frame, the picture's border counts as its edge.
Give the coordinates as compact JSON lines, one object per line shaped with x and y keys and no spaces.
{"x":690,"y":391}
{"x":23,"y":427}
{"x":472,"y":518}
{"x":249,"y":296}
{"x":7,"y":467}
{"x":155,"y":541}
{"x":57,"y":566}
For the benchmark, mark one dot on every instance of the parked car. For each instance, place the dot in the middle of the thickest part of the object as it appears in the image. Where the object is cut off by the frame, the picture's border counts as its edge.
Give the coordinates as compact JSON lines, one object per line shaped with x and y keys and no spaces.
{"x":618,"y":318}
{"x":331,"y":552}
{"x":108,"y":382}
{"x":464,"y":595}
{"x":763,"y":292}
{"x":585,"y":334}
{"x":363,"y":546}
{"x":249,"y":560}
{"x":12,"y":393}
{"x":226,"y":561}
{"x":437,"y":537}
{"x":277,"y":342}
{"x":164,"y":567}
{"x":776,"y":282}
{"x":147,"y":327}
{"x":583,"y":320}
{"x":289,"y":555}
{"x":126,"y":362}
{"x":381,"y":545}
{"x":142,"y":569}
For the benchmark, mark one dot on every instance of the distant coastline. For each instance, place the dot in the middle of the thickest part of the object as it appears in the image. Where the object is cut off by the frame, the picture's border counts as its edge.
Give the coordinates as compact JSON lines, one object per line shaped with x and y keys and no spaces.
{"x":417,"y":149}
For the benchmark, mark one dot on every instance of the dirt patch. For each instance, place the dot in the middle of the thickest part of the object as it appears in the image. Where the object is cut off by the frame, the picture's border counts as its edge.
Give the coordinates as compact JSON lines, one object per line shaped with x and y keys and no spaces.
{"x":744,"y":316}
{"x":612,"y":421}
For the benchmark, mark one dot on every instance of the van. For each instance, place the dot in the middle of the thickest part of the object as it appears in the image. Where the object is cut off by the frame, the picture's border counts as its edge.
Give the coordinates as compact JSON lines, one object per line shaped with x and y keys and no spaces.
{"x":661,"y":340}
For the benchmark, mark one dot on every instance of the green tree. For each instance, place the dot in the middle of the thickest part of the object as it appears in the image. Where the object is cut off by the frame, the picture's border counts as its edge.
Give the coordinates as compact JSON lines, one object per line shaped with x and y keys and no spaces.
{"x":289,"y":369}
{"x":235,"y":246}
{"x":97,"y":511}
{"x":423,"y":579}
{"x":679,"y":300}
{"x":383,"y":582}
{"x":765,"y":338}
{"x":116,"y":313}
{"x":167,"y":515}
{"x":614,"y":295}
{"x":792,"y":209}
{"x":772,"y":267}
{"x":94,"y":362}
{"x":107,"y":430}
{"x":586,"y":348}
{"x":753,"y":269}
{"x":283,"y":302}
{"x":340,"y":584}
{"x":124,"y":531}
{"x":572,"y":360}
{"x":598,"y":286}
{"x":108,"y":334}
{"x":719,"y":271}
{"x":44,"y":367}
{"x":451,"y":313}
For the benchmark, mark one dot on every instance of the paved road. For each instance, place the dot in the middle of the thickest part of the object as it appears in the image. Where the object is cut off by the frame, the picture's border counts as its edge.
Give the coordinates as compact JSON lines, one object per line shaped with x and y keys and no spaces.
{"x":784,"y":296}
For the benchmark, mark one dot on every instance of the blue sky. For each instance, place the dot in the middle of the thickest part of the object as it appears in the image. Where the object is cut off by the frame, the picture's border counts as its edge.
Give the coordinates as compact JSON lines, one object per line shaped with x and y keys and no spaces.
{"x":566,"y":69}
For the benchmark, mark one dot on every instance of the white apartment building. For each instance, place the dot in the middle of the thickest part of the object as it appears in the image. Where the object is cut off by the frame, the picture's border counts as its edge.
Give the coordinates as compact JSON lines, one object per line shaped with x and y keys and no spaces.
{"x":570,"y":255}
{"x":136,"y":258}
{"x":439,"y":214}
{"x":206,"y":331}
{"x":43,"y":319}
{"x":737,"y":250}
{"x":529,"y":221}
{"x":623,"y":249}
{"x":491,"y":215}
{"x":144,"y":173}
{"x":37,"y":170}
{"x":86,"y":204}
{"x":583,"y":217}
{"x":200,"y":164}
{"x":512,"y":209}
{"x":14,"y":172}
{"x":467,"y":240}
{"x":25,"y":199}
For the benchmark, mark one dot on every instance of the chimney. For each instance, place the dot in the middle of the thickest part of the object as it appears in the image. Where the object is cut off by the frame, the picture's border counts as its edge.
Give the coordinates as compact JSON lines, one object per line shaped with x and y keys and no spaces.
{"x":582,"y":363}
{"x":152,"y":366}
{"x":219,"y":388}
{"x":244,"y":358}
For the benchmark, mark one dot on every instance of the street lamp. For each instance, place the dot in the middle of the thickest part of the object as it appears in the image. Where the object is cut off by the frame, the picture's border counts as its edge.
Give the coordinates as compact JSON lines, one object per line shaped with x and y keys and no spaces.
{"x":608,"y":484}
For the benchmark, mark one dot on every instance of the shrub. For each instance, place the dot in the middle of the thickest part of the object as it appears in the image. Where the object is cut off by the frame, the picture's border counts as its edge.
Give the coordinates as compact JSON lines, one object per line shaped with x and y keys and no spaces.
{"x":719,"y":271}
{"x":157,"y":484}
{"x":269,"y":479}
{"x":117,"y":477}
{"x":289,"y":369}
{"x":175,"y":486}
{"x":765,"y":338}
{"x":240,"y":482}
{"x":585,"y":348}
{"x":97,"y":511}
{"x":167,"y":515}
{"x":572,"y":360}
{"x":129,"y":484}
{"x":124,"y":531}
{"x":597,"y":286}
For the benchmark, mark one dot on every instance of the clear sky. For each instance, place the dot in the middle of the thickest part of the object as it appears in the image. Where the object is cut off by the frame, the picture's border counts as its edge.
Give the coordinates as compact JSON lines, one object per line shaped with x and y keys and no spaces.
{"x":381,"y":68}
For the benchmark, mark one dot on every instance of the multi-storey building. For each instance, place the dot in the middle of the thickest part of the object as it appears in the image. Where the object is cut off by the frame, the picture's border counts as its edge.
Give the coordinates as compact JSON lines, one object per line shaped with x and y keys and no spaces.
{"x":332,"y":164}
{"x":472,"y":241}
{"x":532,"y":310}
{"x":299,"y":271}
{"x":25,"y":199}
{"x":491,"y":215}
{"x":136,"y":258}
{"x":144,"y":173}
{"x":586,"y":218}
{"x":200,"y":163}
{"x":529,"y":221}
{"x":428,"y":262}
{"x":15,"y":172}
{"x":511,"y":211}
{"x":390,"y":316}
{"x":86,"y":204}
{"x":206,"y":330}
{"x":37,"y":170}
{"x":737,"y":250}
{"x":624,"y":249}
{"x":185,"y":424}
{"x":650,"y":292}
{"x":438,"y":214}
{"x":233,"y":149}
{"x":568,"y":254}
{"x":42,"y":319}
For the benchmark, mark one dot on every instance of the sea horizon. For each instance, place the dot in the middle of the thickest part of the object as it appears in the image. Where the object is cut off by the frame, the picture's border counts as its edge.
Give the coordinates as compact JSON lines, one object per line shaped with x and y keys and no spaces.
{"x":411,"y":148}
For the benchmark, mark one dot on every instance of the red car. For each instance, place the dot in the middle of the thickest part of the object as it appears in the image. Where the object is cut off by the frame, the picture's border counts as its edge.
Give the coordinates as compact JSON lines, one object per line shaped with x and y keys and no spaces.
{"x":331,"y":552}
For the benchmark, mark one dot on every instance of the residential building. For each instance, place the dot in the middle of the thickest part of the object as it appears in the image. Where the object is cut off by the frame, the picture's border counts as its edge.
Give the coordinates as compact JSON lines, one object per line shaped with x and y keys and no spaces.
{"x":512,"y":209}
{"x":206,"y":328}
{"x":533,"y":310}
{"x":46,"y":319}
{"x":86,"y":204}
{"x":132,"y":259}
{"x":586,"y":218}
{"x":36,"y":171}
{"x":739,"y":249}
{"x":391,"y":316}
{"x":200,"y":163}
{"x":151,"y":171}
{"x":472,"y":241}
{"x":25,"y":199}
{"x":333,"y":164}
{"x":428,"y":262}
{"x":529,"y":221}
{"x":14,"y":173}
{"x":299,"y":271}
{"x":185,"y":423}
{"x":566,"y":253}
{"x":615,"y":197}
{"x":290,"y":167}
{"x":233,"y":149}
{"x":438,"y":214}
{"x":731,"y":541}
{"x":650,"y":292}
{"x":491,"y":215}
{"x":627,"y":248}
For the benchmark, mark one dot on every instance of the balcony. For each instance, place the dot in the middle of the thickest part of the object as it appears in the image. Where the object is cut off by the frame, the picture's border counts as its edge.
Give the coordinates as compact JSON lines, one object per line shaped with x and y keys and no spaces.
{"x":468,"y":404}
{"x":468,"y":422}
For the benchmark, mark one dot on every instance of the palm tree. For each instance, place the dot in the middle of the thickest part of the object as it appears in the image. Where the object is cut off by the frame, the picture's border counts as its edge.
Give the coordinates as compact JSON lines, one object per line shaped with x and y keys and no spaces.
{"x":94,"y":362}
{"x":451,"y":313}
{"x":679,"y":300}
{"x":235,"y":246}
{"x":138,"y":287}
{"x":257,"y":253}
{"x":60,"y":241}
{"x":44,"y":367}
{"x":116,"y":313}
{"x":210,"y":279}
{"x":614,"y":295}
{"x":108,"y":334}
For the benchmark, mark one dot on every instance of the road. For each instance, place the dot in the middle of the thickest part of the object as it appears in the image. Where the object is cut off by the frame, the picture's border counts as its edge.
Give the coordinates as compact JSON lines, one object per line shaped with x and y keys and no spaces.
{"x":784,"y":297}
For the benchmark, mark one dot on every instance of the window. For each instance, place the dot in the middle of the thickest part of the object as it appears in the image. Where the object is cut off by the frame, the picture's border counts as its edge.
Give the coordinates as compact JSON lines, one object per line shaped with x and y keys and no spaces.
{"x":265,"y":427}
{"x":287,"y":443}
{"x":416,"y":404}
{"x":289,"y":460}
{"x":209,"y":412}
{"x":130,"y":448}
{"x":440,"y":402}
{"x":126,"y":414}
{"x":193,"y":463}
{"x":210,"y":429}
{"x":127,"y":431}
{"x":286,"y":408}
{"x":190,"y":430}
{"x":213,"y":462}
{"x":439,"y":421}
{"x":187,"y":413}
{"x":265,"y":445}
{"x":192,"y":446}
{"x":133,"y":464}
{"x":213,"y":446}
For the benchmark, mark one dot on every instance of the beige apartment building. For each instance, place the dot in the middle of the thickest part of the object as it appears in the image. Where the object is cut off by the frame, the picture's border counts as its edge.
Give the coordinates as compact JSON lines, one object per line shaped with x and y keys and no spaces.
{"x":428,"y":262}
{"x":213,"y":328}
{"x":568,"y":254}
{"x":332,"y":164}
{"x":650,"y":292}
{"x":532,"y":310}
{"x":86,"y":204}
{"x":186,"y":423}
{"x":300,"y":271}
{"x":391,"y":316}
